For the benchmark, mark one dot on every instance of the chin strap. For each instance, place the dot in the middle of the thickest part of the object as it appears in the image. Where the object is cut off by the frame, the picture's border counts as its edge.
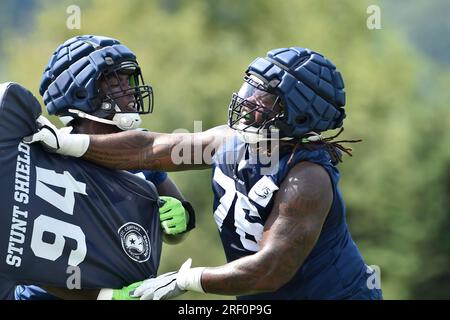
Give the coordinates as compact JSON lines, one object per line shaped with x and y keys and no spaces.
{"x":124,"y":121}
{"x":253,"y":135}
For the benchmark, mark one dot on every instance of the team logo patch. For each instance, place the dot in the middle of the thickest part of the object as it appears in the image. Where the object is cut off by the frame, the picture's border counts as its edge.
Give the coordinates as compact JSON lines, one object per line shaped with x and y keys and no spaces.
{"x":135,"y":242}
{"x":262,"y":191}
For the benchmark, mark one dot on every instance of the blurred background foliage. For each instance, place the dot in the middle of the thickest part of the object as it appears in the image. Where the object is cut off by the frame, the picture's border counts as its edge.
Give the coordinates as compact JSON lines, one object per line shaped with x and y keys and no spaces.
{"x":194,"y":53}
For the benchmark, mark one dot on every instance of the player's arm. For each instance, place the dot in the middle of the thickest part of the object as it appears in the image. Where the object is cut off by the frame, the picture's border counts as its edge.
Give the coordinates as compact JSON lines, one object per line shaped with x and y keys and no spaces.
{"x":290,"y":233}
{"x":135,"y":149}
{"x":156,"y":151}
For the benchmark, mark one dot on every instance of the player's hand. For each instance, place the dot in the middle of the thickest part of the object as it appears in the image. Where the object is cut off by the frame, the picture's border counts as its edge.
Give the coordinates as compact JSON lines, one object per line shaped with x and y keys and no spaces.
{"x":161,"y":288}
{"x":58,"y":140}
{"x":119,"y":294}
{"x":173,"y":216}
{"x":125,"y":292}
{"x":172,"y":284}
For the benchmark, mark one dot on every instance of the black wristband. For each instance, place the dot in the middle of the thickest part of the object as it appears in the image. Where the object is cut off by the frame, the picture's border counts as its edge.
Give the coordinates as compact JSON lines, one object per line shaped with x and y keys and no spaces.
{"x":188,"y":207}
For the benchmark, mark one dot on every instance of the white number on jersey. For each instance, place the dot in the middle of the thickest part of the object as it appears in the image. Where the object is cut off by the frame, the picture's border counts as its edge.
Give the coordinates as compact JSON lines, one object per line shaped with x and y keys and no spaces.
{"x":59,"y":229}
{"x":242,"y":207}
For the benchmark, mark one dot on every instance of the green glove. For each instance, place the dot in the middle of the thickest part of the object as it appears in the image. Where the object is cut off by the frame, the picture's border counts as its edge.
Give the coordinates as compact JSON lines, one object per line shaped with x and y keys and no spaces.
{"x":173,"y":216}
{"x":124,"y":293}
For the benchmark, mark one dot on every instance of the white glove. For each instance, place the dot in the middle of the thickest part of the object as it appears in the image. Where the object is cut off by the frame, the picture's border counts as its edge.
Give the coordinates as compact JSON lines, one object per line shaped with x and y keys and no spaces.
{"x":58,"y":140}
{"x":172,"y":284}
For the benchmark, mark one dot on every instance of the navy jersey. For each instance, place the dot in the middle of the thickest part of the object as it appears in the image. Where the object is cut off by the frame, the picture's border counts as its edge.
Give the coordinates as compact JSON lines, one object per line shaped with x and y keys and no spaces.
{"x":27,"y":292}
{"x":155,"y":177}
{"x":7,"y":289}
{"x":243,"y":200}
{"x":58,"y":212}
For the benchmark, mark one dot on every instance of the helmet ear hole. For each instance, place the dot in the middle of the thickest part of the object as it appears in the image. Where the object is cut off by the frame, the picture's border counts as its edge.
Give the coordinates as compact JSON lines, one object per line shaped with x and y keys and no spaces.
{"x":301,"y":119}
{"x":80,"y":94}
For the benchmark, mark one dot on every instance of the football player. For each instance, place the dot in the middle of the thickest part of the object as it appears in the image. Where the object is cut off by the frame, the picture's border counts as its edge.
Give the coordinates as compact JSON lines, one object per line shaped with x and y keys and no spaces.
{"x":282,"y":222}
{"x":113,"y":110}
{"x":116,"y":82}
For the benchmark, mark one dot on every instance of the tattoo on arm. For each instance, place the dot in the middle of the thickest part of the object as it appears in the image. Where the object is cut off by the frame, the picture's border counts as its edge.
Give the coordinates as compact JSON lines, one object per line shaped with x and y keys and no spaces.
{"x":156,"y":151}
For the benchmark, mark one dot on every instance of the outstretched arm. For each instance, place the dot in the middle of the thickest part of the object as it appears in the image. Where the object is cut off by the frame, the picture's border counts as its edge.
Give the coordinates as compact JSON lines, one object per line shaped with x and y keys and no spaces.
{"x":134,"y":149}
{"x":290,"y":233}
{"x":156,"y":151}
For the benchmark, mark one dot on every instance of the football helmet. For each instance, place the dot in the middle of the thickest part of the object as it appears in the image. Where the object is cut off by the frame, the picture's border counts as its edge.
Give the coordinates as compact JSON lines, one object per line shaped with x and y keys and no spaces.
{"x":97,"y":78}
{"x":287,"y":94}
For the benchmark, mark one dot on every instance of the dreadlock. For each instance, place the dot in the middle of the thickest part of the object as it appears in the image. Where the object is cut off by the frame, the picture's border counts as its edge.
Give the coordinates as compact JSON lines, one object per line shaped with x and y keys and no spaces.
{"x":314,"y":141}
